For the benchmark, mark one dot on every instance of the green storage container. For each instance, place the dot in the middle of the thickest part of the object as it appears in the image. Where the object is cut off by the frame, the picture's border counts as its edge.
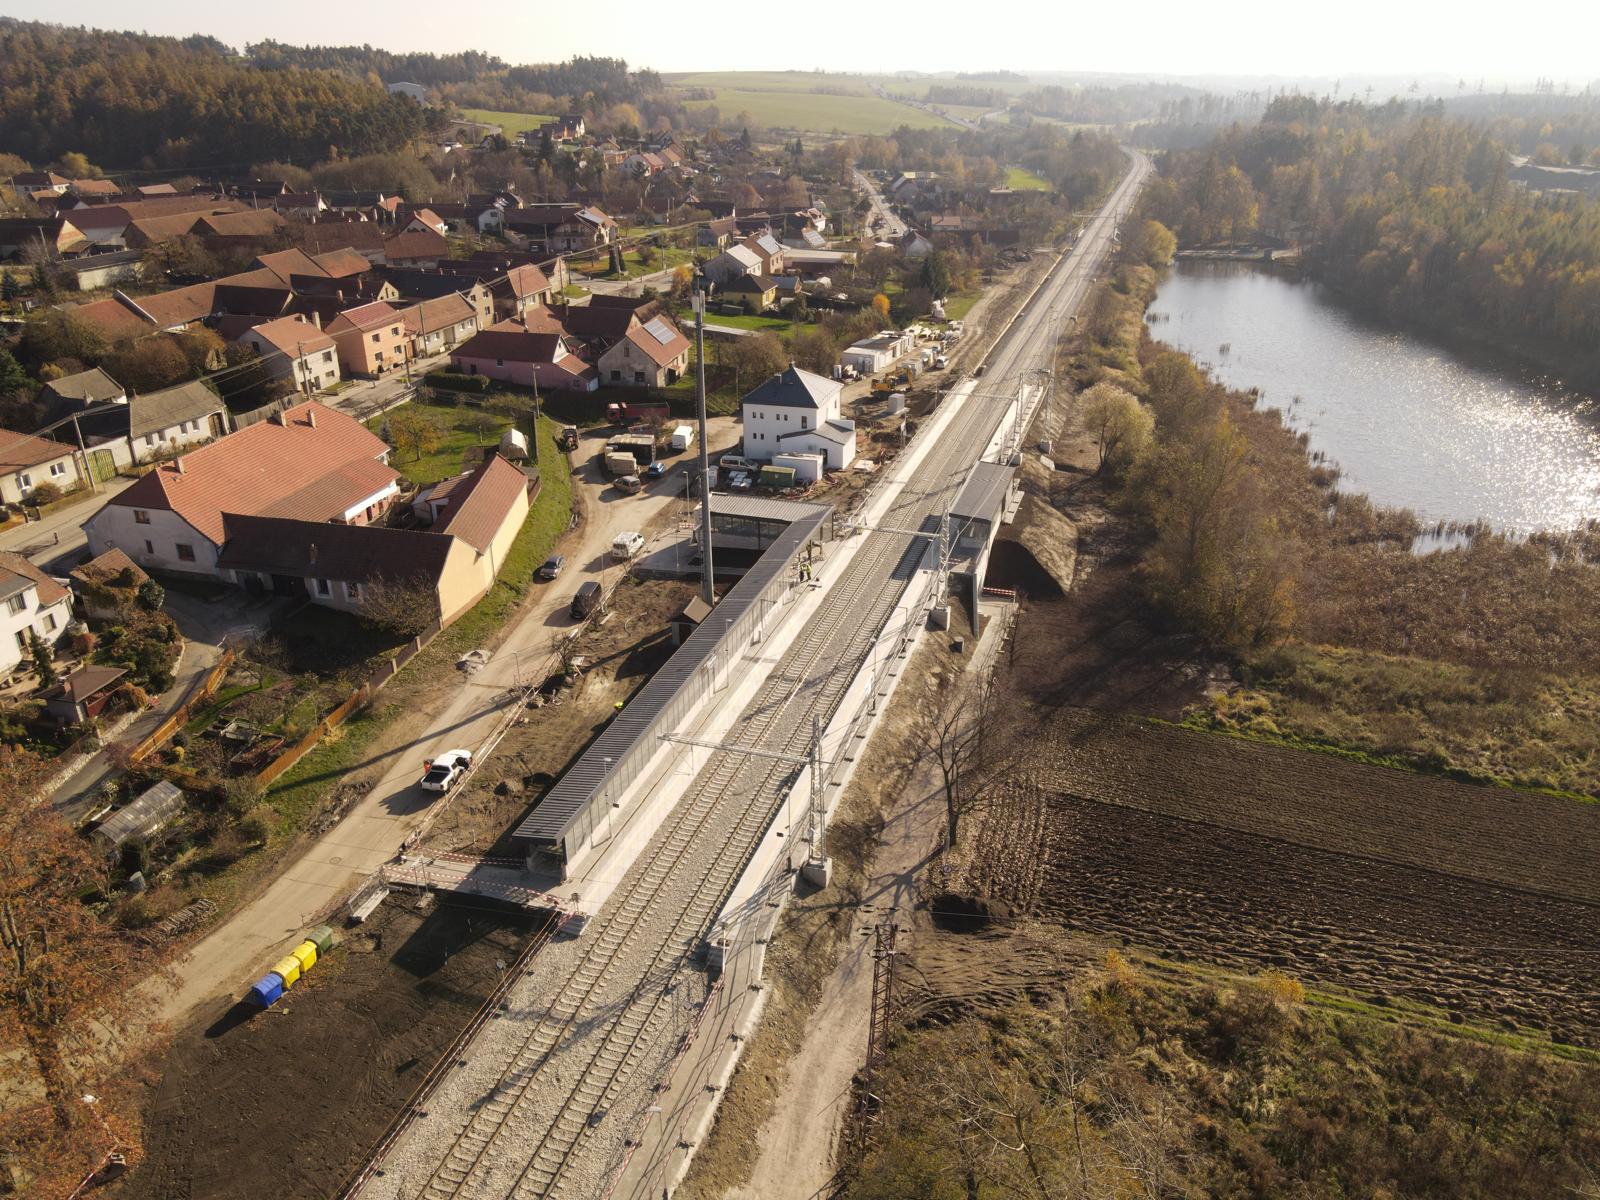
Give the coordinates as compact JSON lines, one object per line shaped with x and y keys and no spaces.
{"x":777,"y":477}
{"x":322,"y":936}
{"x":306,"y":952}
{"x":289,"y":968}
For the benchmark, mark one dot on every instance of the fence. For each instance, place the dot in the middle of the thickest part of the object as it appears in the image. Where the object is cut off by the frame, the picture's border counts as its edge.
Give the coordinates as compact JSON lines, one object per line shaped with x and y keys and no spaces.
{"x":308,"y":743}
{"x":203,"y":691}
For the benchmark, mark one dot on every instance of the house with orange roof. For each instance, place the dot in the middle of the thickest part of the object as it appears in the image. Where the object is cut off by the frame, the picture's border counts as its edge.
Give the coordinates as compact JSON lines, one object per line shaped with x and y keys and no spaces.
{"x":307,"y":463}
{"x":31,"y":604}
{"x":293,"y":348}
{"x":513,"y":353}
{"x":371,"y":338}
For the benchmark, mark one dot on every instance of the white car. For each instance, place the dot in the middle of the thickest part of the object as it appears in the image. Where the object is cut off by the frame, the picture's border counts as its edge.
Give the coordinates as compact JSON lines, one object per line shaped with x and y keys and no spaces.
{"x":443,"y":773}
{"x":626,"y":545}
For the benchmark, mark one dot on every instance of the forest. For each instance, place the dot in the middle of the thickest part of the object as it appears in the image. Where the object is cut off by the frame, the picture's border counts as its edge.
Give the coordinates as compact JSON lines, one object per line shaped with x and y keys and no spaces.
{"x":131,"y":101}
{"x":1408,"y":213}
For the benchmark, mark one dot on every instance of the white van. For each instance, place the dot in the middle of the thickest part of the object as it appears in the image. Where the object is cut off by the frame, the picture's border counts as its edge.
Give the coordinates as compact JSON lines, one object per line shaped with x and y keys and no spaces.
{"x":626,"y":545}
{"x":737,"y":462}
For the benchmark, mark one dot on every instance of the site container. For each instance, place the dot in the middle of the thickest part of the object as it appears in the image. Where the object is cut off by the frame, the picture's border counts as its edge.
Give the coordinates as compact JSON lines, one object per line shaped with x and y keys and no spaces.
{"x":289,"y":967}
{"x":306,"y":953}
{"x":322,"y":936}
{"x":777,"y":477}
{"x":266,"y":990}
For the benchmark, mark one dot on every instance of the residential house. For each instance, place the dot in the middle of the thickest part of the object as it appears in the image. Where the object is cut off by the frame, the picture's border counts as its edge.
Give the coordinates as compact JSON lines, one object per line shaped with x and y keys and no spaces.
{"x":644,"y":163}
{"x":732,"y":263}
{"x":914,"y":245}
{"x":330,"y":233}
{"x":155,"y":190}
{"x":27,"y":461}
{"x":78,"y":391}
{"x":30,"y":603}
{"x":562,"y":228}
{"x":295,"y":349}
{"x":307,"y":463}
{"x":415,"y":248}
{"x":424,"y":220}
{"x":434,"y":326}
{"x":430,"y":285}
{"x":54,"y":236}
{"x":93,"y":189}
{"x":449,"y":567}
{"x":758,"y":292}
{"x":768,"y":250}
{"x":107,"y":586}
{"x":150,"y":425}
{"x":371,"y":339}
{"x":797,"y":412}
{"x":485,"y":218}
{"x":95,"y":271}
{"x":564,"y":129}
{"x":36,"y":185}
{"x":873,"y":354}
{"x":512,"y":353}
{"x":652,"y":354}
{"x":717,"y":233}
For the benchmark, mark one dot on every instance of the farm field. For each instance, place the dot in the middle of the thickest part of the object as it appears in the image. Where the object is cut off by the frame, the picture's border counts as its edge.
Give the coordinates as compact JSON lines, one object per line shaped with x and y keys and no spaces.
{"x":513,"y":123}
{"x":1403,"y":889}
{"x":818,"y":113}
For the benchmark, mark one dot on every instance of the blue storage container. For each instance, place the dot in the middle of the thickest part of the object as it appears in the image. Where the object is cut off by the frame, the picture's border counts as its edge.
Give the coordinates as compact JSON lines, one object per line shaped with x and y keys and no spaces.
{"x":267,"y":989}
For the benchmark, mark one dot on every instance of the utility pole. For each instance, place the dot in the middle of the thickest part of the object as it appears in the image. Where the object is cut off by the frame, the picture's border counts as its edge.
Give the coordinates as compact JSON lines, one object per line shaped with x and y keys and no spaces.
{"x":707,"y":579}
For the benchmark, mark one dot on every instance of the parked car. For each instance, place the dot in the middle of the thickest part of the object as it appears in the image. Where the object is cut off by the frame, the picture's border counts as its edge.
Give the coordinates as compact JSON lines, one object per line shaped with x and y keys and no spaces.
{"x":628,"y":484}
{"x":736,"y":462}
{"x":585,"y":601}
{"x":656,"y":470}
{"x":626,"y":545}
{"x":552,"y":566}
{"x":443,"y":773}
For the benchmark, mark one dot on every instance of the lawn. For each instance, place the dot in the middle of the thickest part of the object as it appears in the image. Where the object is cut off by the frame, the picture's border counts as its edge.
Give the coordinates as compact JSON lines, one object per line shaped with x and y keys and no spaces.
{"x":742,"y":321}
{"x":512,"y":123}
{"x":1020,"y":179}
{"x":816,"y":113}
{"x":959,"y":305}
{"x":466,"y":428}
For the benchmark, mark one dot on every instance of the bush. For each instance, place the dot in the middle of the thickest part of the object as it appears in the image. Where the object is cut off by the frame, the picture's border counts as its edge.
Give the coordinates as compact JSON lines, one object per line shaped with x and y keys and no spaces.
{"x":44,"y":493}
{"x":151,"y":595}
{"x":458,"y":382}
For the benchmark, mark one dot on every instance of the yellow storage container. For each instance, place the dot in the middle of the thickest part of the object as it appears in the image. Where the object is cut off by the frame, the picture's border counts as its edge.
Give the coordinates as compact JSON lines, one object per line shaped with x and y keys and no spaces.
{"x":289,"y":969}
{"x":306,"y":952}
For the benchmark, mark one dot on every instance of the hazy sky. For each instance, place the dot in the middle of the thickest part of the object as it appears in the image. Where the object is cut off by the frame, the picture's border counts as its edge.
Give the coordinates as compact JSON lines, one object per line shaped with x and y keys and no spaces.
{"x":1504,"y":40}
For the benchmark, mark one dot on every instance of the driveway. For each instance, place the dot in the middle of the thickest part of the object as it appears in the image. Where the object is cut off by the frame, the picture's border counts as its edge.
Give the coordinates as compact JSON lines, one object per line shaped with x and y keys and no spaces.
{"x":233,"y":953}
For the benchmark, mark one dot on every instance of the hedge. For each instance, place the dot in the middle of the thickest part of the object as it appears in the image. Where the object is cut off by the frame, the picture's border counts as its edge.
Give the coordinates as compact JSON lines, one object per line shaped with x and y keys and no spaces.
{"x":455,"y":381}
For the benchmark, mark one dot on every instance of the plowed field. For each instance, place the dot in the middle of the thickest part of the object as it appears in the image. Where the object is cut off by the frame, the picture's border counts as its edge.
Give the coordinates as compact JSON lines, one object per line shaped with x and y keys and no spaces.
{"x":1481,"y":901}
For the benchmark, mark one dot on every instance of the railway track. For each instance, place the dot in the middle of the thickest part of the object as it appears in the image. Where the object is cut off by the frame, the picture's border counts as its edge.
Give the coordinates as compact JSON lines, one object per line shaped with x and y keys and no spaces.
{"x":516,"y":1145}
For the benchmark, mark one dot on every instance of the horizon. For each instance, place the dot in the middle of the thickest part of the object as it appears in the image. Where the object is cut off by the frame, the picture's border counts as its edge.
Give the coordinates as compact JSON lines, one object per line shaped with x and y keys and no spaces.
{"x":1208,"y":48}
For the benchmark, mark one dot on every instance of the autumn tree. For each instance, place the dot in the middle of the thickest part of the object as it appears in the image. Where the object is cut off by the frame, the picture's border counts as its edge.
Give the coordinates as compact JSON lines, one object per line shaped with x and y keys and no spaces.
{"x":415,"y":430}
{"x":1153,"y":244}
{"x":1120,"y":424}
{"x":880,"y":309}
{"x":402,"y":606}
{"x":149,"y":364}
{"x":753,"y":358}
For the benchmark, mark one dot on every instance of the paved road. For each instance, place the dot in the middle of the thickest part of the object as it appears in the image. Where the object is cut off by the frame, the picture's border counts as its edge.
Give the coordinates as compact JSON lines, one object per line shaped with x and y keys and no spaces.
{"x":547,"y":1097}
{"x":225,"y":960}
{"x":890,"y":226}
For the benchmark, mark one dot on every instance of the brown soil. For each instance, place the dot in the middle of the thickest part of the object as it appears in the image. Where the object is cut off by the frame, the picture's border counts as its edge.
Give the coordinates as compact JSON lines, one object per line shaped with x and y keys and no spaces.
{"x":285,"y":1101}
{"x":620,"y":655}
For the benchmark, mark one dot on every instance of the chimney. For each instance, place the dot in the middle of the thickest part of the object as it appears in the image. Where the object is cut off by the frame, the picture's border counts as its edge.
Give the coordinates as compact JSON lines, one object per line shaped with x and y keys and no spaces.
{"x":311,"y":554}
{"x":316,"y":314}
{"x":277,"y":418}
{"x":311,"y":415}
{"x":177,"y":465}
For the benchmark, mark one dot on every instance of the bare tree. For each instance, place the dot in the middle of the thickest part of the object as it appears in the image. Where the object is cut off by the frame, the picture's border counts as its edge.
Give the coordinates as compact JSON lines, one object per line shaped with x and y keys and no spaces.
{"x":402,"y":606}
{"x":962,"y":733}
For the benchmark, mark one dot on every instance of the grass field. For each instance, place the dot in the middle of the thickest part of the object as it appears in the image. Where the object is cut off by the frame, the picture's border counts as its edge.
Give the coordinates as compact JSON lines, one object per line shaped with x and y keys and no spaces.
{"x":465,"y":428}
{"x":861,"y":113}
{"x":513,"y":123}
{"x":1020,"y":179}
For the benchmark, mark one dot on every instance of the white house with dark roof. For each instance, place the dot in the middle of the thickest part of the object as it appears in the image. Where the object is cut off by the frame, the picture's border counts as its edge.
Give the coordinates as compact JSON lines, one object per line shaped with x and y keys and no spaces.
{"x":797,"y":412}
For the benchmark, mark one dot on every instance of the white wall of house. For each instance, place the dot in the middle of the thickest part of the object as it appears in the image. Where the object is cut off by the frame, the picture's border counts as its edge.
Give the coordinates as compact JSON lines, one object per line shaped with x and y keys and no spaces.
{"x":17,"y":486}
{"x":21,"y":613}
{"x":320,"y":367}
{"x":182,"y":436}
{"x":837,"y":444}
{"x":156,"y":538}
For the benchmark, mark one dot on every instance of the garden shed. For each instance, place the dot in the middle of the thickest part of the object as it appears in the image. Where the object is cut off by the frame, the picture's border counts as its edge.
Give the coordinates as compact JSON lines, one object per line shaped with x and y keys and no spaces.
{"x":151,"y":812}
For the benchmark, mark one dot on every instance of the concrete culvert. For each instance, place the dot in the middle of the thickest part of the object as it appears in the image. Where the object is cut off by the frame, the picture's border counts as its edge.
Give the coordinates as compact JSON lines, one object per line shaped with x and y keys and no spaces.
{"x":1012,"y":565}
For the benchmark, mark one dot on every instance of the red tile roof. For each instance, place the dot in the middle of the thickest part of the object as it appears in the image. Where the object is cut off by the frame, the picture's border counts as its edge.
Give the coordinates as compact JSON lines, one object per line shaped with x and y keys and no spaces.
{"x":339,"y":264}
{"x":434,"y":315}
{"x":112,"y":319}
{"x":479,"y":507}
{"x":292,"y":336}
{"x":660,"y":340}
{"x":367,"y":316}
{"x":510,"y":342}
{"x":181,"y":306}
{"x":313,"y":466}
{"x":19,"y":451}
{"x":287,"y":263}
{"x":49,"y":590}
{"x":419,"y":243}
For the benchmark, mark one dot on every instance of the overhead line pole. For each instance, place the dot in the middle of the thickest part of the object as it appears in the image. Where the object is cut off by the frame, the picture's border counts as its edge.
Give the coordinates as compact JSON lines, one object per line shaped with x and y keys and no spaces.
{"x":708,"y":591}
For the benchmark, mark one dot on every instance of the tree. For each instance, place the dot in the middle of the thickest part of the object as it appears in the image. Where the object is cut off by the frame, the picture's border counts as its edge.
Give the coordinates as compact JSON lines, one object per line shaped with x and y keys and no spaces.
{"x":55,"y":335}
{"x":151,"y":596}
{"x":12,"y":377}
{"x":880,"y":309}
{"x":149,"y":364}
{"x":405,"y":607}
{"x":754,"y":357}
{"x":10,"y":289}
{"x":1153,"y":244}
{"x":814,"y":348}
{"x":42,"y":666}
{"x":415,"y":430}
{"x":1120,"y":424}
{"x":963,"y":733}
{"x":935,"y":274}
{"x":76,"y":166}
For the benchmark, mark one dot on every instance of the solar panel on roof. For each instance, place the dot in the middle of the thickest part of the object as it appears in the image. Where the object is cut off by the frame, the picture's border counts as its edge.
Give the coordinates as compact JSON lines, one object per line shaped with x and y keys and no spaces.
{"x":658,"y":330}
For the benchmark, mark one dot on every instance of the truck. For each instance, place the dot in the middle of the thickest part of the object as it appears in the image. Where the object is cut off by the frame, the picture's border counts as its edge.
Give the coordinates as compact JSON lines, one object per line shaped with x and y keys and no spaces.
{"x":619,"y":464}
{"x":642,"y":446}
{"x":682,"y":438}
{"x":627,"y":412}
